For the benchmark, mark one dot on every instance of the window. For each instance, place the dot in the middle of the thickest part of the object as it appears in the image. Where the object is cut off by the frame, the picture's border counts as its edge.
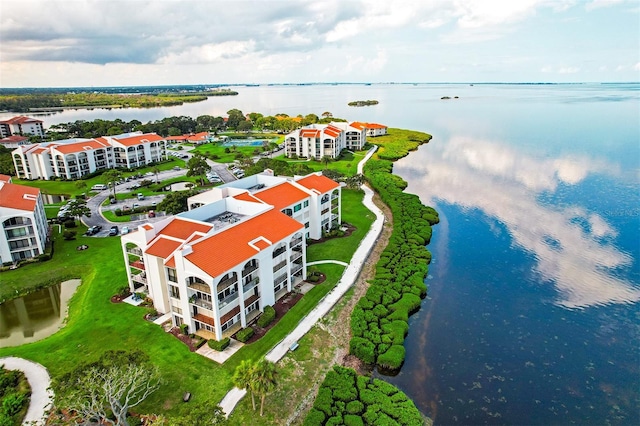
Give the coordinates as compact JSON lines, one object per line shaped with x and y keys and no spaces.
{"x":306,"y":225}
{"x":306,"y":203}
{"x":297,"y":207}
{"x":174,"y":291}
{"x":172,"y":275}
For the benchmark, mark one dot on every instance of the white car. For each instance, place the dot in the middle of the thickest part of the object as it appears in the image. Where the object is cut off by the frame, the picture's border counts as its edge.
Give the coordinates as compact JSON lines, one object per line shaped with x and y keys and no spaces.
{"x":124,"y":230}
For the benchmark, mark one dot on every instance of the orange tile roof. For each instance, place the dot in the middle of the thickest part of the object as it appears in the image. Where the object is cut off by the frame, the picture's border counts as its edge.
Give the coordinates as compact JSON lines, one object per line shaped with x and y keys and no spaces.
{"x":70,"y":148}
{"x":13,"y":139}
{"x":281,"y":196}
{"x":147,"y":227}
{"x":309,"y":133}
{"x":358,"y":125}
{"x":162,"y":247}
{"x":198,"y":136}
{"x":139,"y":139}
{"x":332,"y":131}
{"x":5,"y":178}
{"x":20,"y":120}
{"x":171,"y":262}
{"x":18,"y":196}
{"x":183,"y":229}
{"x":376,"y":126}
{"x":220,"y":252}
{"x":245,"y":196}
{"x":320,"y":183}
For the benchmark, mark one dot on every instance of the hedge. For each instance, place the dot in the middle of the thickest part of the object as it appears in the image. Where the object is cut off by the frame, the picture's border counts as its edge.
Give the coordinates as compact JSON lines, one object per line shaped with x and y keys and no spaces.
{"x":219,"y":345}
{"x":398,"y":286}
{"x":245,"y":334}
{"x":267,"y":316}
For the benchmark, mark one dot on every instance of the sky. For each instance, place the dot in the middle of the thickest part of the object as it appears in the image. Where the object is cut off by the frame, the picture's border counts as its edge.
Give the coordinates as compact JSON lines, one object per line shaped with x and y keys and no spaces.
{"x":73,"y":43}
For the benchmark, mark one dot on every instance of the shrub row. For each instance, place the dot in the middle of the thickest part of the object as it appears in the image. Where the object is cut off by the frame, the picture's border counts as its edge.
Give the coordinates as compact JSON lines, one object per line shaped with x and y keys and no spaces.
{"x":267,"y":316}
{"x":347,"y":398}
{"x":379,"y":322}
{"x":245,"y":334}
{"x":219,"y":345}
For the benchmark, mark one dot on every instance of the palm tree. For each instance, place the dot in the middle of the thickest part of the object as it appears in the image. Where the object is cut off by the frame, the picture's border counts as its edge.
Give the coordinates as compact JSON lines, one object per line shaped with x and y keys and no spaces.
{"x":264,"y":380}
{"x":155,"y":171}
{"x":243,"y":378}
{"x":326,"y":159}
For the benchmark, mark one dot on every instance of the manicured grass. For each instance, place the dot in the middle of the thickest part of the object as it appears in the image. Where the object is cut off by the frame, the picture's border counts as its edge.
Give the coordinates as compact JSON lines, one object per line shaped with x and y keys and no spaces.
{"x":96,"y":325}
{"x":342,"y":248}
{"x":225,"y":157}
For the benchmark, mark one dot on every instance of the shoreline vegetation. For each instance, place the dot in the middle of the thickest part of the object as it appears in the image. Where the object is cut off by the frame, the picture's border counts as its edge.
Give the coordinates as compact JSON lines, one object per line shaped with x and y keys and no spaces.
{"x":410,"y":229}
{"x":363,"y":103}
{"x":20,"y":102}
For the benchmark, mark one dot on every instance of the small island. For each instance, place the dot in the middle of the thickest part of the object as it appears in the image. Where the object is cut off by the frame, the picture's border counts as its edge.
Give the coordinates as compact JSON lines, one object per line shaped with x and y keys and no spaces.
{"x":363,"y":103}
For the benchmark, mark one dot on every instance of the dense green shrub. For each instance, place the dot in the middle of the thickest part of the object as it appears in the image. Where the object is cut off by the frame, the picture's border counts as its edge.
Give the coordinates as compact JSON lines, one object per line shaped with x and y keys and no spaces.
{"x":245,"y":334}
{"x":219,"y":345}
{"x":393,"y":358}
{"x":267,"y":316}
{"x":314,"y":418}
{"x":375,"y":402}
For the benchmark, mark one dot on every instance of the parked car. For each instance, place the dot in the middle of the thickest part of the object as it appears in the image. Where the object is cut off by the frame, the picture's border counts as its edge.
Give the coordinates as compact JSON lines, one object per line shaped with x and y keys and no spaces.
{"x":125,"y":230}
{"x":140,"y":196}
{"x":113,"y":231}
{"x":93,"y":230}
{"x":152,"y":213}
{"x":177,"y":168}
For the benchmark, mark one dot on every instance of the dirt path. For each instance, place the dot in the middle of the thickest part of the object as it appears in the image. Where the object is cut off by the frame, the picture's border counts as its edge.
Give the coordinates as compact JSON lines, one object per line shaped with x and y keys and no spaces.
{"x":338,"y":327}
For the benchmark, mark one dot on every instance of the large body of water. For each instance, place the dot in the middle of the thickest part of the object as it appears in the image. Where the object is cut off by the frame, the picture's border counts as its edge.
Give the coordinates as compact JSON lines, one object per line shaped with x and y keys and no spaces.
{"x":532,"y":315}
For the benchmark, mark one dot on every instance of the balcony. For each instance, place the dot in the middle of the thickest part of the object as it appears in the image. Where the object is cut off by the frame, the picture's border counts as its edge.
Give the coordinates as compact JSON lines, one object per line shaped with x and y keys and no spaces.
{"x":279,"y":266}
{"x":204,"y":319}
{"x":249,"y":270}
{"x":282,"y":278}
{"x":295,"y":256}
{"x":199,"y":286}
{"x":227,"y":300}
{"x":251,"y":284}
{"x":138,"y":264}
{"x":135,"y":250}
{"x":296,"y":241}
{"x":140,"y":278}
{"x":201,"y":303}
{"x":296,"y":268}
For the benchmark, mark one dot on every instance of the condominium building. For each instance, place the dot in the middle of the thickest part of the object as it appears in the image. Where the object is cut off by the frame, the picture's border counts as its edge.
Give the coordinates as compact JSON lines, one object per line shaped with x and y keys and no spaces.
{"x":21,"y":125}
{"x":239,"y":248}
{"x":23,"y":222}
{"x":328,"y":140}
{"x":324,"y":140}
{"x":74,"y":158}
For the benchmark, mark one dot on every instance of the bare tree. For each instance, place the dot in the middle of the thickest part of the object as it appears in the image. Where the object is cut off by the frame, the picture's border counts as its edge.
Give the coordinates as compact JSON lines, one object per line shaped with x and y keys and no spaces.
{"x":117,"y":382}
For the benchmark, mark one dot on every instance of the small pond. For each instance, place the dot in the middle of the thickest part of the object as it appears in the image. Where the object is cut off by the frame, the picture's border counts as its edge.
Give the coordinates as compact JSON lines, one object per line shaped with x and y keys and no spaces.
{"x":35,"y":316}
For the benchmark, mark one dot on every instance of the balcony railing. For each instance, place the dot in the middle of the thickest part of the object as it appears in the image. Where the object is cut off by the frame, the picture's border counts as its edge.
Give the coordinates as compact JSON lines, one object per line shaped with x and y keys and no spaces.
{"x":280,"y":265}
{"x":226,"y":284}
{"x":295,"y":256}
{"x":249,"y":270}
{"x":140,"y":278}
{"x":228,"y":300}
{"x":199,"y":286}
{"x":296,"y":268}
{"x":296,"y":241}
{"x":282,"y":278}
{"x":201,"y":303}
{"x":251,"y":284}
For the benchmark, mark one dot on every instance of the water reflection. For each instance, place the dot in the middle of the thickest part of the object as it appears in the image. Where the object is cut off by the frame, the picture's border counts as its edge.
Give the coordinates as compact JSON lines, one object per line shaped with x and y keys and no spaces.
{"x":36,"y":315}
{"x":572,"y":246}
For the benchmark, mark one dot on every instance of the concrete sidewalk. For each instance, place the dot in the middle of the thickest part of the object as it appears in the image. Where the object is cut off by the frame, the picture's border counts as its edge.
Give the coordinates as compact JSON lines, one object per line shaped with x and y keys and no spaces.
{"x":40,"y":382}
{"x":349,"y":277}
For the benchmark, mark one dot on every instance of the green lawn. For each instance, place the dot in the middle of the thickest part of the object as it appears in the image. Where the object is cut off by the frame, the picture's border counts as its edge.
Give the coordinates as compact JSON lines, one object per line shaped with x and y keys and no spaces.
{"x":343,"y":248}
{"x":96,"y":325}
{"x":225,"y":157}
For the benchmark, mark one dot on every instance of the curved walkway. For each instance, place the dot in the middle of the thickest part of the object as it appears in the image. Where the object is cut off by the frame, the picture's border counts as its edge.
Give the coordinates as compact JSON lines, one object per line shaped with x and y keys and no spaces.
{"x":349,"y":277}
{"x":320,"y":262}
{"x":40,"y":382}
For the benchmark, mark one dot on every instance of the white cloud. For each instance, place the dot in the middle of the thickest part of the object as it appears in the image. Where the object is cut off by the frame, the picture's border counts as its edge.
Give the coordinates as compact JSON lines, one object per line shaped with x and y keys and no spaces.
{"x":580,"y":262}
{"x":568,"y":70}
{"x":210,"y":53}
{"x":597,"y":4}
